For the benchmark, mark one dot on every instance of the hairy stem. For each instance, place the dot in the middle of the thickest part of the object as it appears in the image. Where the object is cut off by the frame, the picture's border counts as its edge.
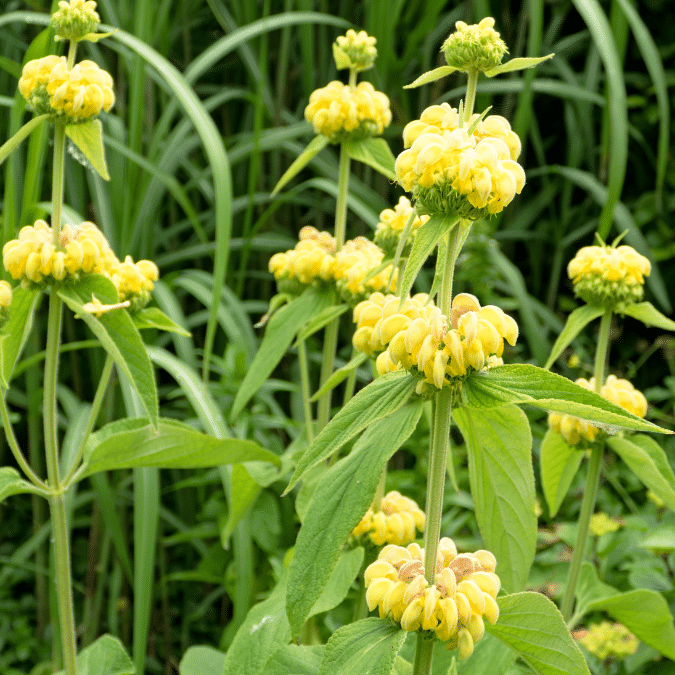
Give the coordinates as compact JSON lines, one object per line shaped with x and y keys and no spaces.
{"x":470,"y":99}
{"x":304,"y":382}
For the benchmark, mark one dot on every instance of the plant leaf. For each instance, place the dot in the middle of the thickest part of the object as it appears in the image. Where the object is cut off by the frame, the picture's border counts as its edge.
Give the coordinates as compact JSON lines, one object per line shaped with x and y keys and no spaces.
{"x":559,"y":465}
{"x":431,"y":76}
{"x":340,"y":500}
{"x":296,"y":660}
{"x":15,"y":332}
{"x":380,"y":398}
{"x":315,"y":146}
{"x":367,"y":647}
{"x":499,"y":443}
{"x":88,"y":138}
{"x":374,"y":152}
{"x":517,"y":64}
{"x":117,"y":335}
{"x":322,"y":319}
{"x":11,"y":483}
{"x":106,"y":656}
{"x":648,"y":461}
{"x":281,"y":329}
{"x":534,"y":628}
{"x":340,"y":581}
{"x":154,"y":317}
{"x":95,"y":37}
{"x":243,"y":495}
{"x":124,"y":445}
{"x":339,"y":375}
{"x":649,"y":315}
{"x":202,"y":660}
{"x":524,"y":383}
{"x":576,"y":322}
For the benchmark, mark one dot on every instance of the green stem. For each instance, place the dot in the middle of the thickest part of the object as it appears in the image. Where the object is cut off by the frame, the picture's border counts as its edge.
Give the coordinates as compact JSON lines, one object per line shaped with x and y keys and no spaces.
{"x":424,"y":653}
{"x":72,"y":50}
{"x":341,"y":205}
{"x":57,"y":181}
{"x":379,"y":491}
{"x":304,"y":382}
{"x":93,"y":416}
{"x":587,"y":507}
{"x":470,"y":99}
{"x":13,"y":143}
{"x":352,"y":79}
{"x":601,"y":350}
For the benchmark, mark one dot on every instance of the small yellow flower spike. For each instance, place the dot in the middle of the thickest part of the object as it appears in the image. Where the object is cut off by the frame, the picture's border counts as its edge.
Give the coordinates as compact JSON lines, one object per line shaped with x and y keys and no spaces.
{"x":607,"y":276}
{"x":354,"y":261}
{"x":97,"y":308}
{"x":392,"y":223}
{"x":133,"y":281}
{"x":601,"y":524}
{"x":75,"y":19}
{"x":464,"y":591}
{"x":394,"y":523}
{"x":355,"y":51}
{"x":475,"y":48}
{"x":341,"y":113}
{"x":608,"y":641}
{"x":616,"y":390}
{"x":34,"y":80}
{"x":81,"y":93}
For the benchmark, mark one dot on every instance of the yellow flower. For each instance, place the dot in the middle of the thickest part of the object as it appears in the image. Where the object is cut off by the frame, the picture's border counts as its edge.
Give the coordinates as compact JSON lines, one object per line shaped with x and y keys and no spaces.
{"x":5,"y":295}
{"x":133,"y":281}
{"x":81,"y":93}
{"x":608,"y":276}
{"x":601,"y":524}
{"x":608,"y":641}
{"x":616,"y":390}
{"x":74,"y":19}
{"x":392,"y":223}
{"x":464,"y":591}
{"x":354,"y":261}
{"x":474,"y":48}
{"x":394,"y":523}
{"x":341,"y":113}
{"x":34,"y":80}
{"x":354,"y":50}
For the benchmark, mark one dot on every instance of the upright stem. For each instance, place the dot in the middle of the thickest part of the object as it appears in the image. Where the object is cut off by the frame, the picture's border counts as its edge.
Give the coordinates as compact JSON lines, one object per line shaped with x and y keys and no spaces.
{"x":57,"y":181}
{"x":470,"y":99}
{"x":601,"y":350}
{"x":304,"y":383}
{"x":331,"y":336}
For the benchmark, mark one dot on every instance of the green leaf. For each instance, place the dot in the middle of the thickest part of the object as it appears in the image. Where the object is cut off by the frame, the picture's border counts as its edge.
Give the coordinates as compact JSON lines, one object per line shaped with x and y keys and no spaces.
{"x":374,"y":152}
{"x":661,"y":538}
{"x":95,"y":37}
{"x":281,"y":329}
{"x":11,"y":483}
{"x":559,"y":465}
{"x":367,"y":647}
{"x":202,"y":660}
{"x":517,"y":64}
{"x":649,"y":315}
{"x":523,"y":383}
{"x":502,"y":485}
{"x":88,"y":138}
{"x":244,"y":493}
{"x":14,"y":142}
{"x":576,"y":322}
{"x":340,"y":581}
{"x":533,"y":627}
{"x":339,"y":375}
{"x":296,"y":660}
{"x":431,"y":76}
{"x":316,"y":145}
{"x":117,"y":335}
{"x":125,"y":444}
{"x":340,"y":500}
{"x":440,"y":267}
{"x":424,"y":243}
{"x":380,"y":398}
{"x":106,"y":656}
{"x":320,"y":320}
{"x":154,"y":317}
{"x":15,"y":332}
{"x":648,"y":461}
{"x":342,"y":61}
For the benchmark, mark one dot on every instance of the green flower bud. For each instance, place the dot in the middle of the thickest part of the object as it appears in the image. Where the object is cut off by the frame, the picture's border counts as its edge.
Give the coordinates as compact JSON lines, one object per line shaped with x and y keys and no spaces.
{"x":474,"y":48}
{"x":75,"y":19}
{"x":355,"y":51}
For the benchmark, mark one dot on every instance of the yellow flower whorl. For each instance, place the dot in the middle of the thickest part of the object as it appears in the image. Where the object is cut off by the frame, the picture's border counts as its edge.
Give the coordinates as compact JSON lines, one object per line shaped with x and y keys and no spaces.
{"x":464,"y":591}
{"x":601,"y":524}
{"x":392,"y":223}
{"x":75,"y":19}
{"x":474,"y":48}
{"x":34,"y":80}
{"x":616,"y":390}
{"x":357,"y":51}
{"x":608,"y":276}
{"x":353,"y":263}
{"x":608,"y":641}
{"x":394,"y":523}
{"x":340,"y":113}
{"x":5,"y":294}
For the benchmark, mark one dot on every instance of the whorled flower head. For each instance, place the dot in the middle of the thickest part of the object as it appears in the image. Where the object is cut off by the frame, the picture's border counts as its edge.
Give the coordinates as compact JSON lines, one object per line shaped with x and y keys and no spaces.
{"x":354,"y":262}
{"x":451,"y":172}
{"x":355,"y":51}
{"x":474,"y":48}
{"x":608,"y":641}
{"x":601,"y":524}
{"x":464,"y":591}
{"x":134,"y":281}
{"x":34,"y":80}
{"x":81,"y":93}
{"x":575,"y":430}
{"x":392,"y":223}
{"x":608,"y":276}
{"x":394,"y":522}
{"x":5,"y":301}
{"x":75,"y":19}
{"x":342,"y":113}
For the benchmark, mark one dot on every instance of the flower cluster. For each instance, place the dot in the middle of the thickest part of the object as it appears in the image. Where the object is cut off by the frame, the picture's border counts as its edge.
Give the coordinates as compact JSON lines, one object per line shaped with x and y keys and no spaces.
{"x":340,"y":112}
{"x":75,"y":19}
{"x":5,"y":301}
{"x":464,"y":591}
{"x":449,"y":171}
{"x":417,"y":336}
{"x":474,"y":48}
{"x":34,"y":80}
{"x":616,"y":390}
{"x":391,"y":226}
{"x":34,"y":259}
{"x":394,"y":523}
{"x":354,"y":263}
{"x":608,"y":276}
{"x":601,"y":524}
{"x":608,"y":641}
{"x":355,"y":51}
